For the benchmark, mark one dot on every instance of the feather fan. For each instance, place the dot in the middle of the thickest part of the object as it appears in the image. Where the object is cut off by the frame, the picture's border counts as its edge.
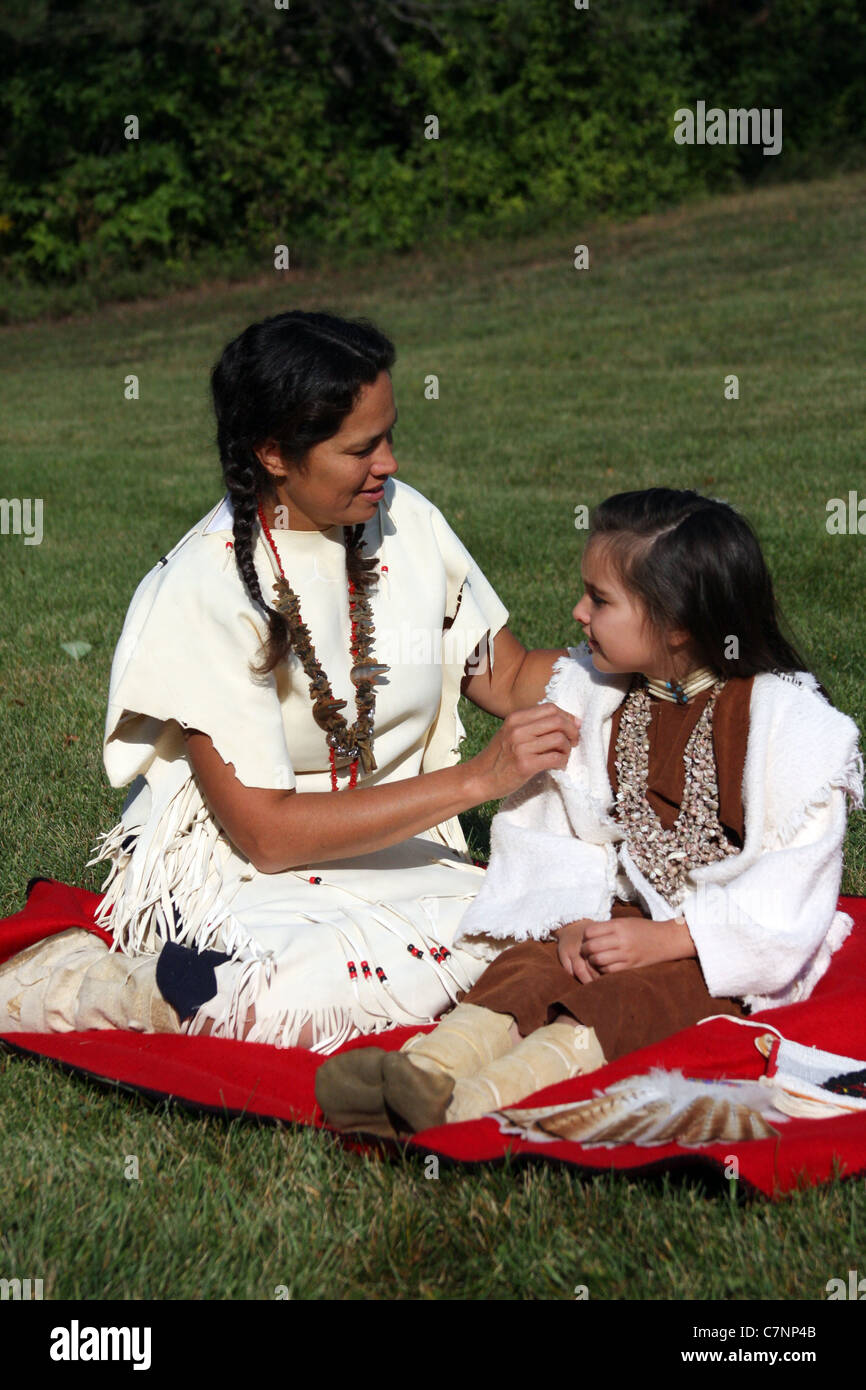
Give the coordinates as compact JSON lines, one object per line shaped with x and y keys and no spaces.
{"x":662,"y":1107}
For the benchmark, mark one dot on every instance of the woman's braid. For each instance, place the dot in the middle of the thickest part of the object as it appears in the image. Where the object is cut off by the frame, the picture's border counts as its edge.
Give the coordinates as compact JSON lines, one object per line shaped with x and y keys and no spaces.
{"x":242,"y":474}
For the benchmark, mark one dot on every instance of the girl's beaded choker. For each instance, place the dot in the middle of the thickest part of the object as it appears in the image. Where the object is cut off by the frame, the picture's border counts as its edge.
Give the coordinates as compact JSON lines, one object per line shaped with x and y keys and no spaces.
{"x":679,"y":693}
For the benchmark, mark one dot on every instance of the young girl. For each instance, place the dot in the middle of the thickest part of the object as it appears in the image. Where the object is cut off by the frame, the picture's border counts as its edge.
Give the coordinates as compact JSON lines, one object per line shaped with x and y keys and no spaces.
{"x":686,"y":861}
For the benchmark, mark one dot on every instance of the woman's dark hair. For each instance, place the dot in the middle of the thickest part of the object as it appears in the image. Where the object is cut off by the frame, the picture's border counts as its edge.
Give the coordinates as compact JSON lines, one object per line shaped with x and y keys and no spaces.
{"x":293,"y":379}
{"x":697,"y":564}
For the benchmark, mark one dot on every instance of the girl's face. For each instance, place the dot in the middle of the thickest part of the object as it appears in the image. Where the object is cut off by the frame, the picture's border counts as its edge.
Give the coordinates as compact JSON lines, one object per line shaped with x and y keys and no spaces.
{"x":343,"y":477}
{"x":619,"y":634}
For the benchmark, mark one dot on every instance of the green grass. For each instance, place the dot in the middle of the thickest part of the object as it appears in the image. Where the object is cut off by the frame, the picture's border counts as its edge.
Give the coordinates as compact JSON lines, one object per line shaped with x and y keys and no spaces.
{"x":231,"y":1210}
{"x":557,"y":387}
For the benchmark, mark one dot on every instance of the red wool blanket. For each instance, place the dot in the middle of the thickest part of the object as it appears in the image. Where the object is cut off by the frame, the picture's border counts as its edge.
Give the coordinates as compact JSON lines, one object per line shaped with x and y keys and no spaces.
{"x":253,"y":1079}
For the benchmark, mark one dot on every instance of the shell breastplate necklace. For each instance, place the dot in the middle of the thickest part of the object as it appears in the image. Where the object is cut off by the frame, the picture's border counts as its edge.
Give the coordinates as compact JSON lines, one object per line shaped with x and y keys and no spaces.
{"x":665,"y":857}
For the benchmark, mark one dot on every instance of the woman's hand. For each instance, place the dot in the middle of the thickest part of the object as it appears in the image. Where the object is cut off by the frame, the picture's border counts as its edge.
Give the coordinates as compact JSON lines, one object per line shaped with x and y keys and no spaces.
{"x":626,"y":943}
{"x":529,"y":741}
{"x":570,"y":940}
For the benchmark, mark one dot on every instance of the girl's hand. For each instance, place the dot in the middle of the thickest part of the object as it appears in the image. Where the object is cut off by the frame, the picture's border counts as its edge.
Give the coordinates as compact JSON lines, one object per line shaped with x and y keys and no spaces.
{"x":529,"y":741}
{"x":626,"y":943}
{"x":570,"y":940}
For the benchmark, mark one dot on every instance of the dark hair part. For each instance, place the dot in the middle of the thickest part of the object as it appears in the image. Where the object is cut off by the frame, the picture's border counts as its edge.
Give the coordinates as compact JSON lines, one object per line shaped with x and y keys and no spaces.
{"x":697,"y":564}
{"x":293,"y":379}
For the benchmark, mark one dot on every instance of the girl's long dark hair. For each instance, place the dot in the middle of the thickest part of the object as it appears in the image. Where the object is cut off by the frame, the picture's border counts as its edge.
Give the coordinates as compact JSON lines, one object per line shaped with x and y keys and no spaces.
{"x":292,"y":378}
{"x":698,"y":565}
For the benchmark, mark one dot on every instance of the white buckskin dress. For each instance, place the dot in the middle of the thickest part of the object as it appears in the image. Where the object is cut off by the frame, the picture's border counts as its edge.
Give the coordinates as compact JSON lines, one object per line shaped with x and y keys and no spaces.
{"x":351,"y":946}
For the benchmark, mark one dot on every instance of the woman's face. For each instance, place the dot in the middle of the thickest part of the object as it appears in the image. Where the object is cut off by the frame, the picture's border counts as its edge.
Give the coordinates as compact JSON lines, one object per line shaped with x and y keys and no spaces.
{"x":619,"y":634}
{"x":342,"y":480}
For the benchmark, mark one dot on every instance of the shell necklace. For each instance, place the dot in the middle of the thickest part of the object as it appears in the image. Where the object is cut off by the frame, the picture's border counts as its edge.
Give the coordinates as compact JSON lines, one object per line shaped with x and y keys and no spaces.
{"x":665,"y":857}
{"x":348,"y":746}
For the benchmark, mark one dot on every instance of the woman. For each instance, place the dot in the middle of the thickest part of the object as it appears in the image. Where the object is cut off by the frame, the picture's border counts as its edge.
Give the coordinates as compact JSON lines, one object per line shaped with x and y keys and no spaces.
{"x":242,"y":891}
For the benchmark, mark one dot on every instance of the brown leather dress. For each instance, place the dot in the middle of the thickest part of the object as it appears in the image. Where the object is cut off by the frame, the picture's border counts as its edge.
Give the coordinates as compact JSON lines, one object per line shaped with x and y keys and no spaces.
{"x":630,"y":1009}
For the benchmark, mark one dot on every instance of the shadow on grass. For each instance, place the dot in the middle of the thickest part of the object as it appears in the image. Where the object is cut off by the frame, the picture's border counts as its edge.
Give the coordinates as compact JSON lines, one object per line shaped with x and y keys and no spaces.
{"x":476,"y":828}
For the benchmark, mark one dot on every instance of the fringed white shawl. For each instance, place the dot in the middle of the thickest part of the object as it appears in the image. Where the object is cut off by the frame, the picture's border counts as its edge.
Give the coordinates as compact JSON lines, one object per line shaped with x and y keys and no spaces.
{"x":764,"y":922}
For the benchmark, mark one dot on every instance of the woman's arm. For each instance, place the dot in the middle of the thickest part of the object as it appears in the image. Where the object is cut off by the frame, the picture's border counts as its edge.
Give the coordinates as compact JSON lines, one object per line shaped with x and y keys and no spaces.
{"x":279,"y":830}
{"x":518,"y":679}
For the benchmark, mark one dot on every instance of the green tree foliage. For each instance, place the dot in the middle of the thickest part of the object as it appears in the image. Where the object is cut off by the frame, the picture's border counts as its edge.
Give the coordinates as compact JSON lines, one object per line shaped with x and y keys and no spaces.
{"x":306,"y":125}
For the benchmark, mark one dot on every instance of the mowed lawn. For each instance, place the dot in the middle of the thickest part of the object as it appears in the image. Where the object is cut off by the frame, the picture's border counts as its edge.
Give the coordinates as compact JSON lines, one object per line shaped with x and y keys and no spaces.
{"x":557,"y":387}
